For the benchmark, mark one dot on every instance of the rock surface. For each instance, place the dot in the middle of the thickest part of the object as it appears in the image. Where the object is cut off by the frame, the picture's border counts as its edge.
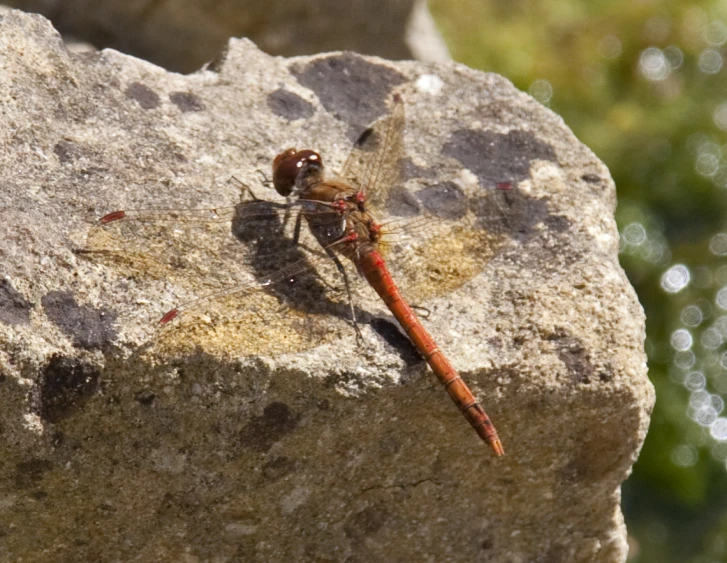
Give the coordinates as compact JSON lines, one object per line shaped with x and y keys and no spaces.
{"x":183,"y":35}
{"x":115,"y":450}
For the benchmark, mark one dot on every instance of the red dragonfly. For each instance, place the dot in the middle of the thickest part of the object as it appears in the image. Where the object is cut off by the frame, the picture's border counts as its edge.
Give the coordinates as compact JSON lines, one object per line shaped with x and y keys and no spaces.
{"x":341,"y":216}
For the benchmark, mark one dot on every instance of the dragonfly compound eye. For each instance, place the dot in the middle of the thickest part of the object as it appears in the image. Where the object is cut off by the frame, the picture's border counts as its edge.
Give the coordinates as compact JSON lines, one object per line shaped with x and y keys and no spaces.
{"x":293,"y":169}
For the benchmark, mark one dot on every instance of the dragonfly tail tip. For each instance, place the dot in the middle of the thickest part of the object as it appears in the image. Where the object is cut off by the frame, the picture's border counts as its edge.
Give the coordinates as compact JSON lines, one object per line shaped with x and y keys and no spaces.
{"x":496,"y":445}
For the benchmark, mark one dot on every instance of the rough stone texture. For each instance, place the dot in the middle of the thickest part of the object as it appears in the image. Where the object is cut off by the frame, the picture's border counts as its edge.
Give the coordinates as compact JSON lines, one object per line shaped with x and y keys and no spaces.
{"x":182,"y":35}
{"x":117,"y":447}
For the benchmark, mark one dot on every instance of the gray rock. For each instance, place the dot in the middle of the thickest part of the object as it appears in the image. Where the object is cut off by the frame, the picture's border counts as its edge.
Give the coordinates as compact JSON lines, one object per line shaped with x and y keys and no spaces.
{"x":261,"y":431}
{"x":183,"y":35}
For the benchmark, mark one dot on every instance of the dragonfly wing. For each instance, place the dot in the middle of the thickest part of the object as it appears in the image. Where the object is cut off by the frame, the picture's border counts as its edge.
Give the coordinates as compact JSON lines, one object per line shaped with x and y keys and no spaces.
{"x":375,"y":162}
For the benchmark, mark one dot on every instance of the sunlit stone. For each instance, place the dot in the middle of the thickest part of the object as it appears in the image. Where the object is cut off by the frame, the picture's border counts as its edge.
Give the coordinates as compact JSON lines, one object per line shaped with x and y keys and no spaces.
{"x":429,"y":84}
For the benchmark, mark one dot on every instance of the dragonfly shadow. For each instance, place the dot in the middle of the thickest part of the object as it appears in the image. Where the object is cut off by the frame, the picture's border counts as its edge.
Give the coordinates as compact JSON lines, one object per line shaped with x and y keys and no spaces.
{"x":270,"y":250}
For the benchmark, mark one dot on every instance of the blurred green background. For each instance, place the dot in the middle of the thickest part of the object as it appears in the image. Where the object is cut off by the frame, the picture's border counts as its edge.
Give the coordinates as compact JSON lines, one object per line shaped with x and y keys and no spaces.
{"x":643,"y":84}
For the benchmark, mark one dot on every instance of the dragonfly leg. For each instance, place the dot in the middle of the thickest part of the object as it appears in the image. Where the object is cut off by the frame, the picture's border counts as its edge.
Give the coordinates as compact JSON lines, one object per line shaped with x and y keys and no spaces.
{"x":298,"y":223}
{"x":341,"y":268}
{"x":267,"y":182}
{"x":244,"y":189}
{"x":424,"y":313}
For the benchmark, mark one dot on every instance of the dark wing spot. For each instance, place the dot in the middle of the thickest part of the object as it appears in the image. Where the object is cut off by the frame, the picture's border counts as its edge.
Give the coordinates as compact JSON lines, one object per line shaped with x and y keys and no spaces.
{"x":368,"y":140}
{"x":288,"y":105}
{"x":350,"y":87}
{"x":14,"y":308}
{"x":445,"y":200}
{"x":145,"y":96}
{"x":263,"y":431}
{"x":64,"y":387}
{"x":186,"y":101}
{"x":495,"y":157}
{"x":88,"y":327}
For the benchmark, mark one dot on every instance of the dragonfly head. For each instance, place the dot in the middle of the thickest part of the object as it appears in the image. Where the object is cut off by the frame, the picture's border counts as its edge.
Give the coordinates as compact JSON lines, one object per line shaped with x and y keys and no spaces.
{"x":296,"y":170}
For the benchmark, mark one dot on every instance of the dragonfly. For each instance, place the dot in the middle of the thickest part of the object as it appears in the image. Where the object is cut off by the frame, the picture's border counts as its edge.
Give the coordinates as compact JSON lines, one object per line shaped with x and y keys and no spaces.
{"x":341,"y":214}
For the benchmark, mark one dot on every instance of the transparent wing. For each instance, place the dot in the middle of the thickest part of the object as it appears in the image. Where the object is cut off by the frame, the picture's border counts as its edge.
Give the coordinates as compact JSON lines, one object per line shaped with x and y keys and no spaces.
{"x":204,"y":248}
{"x":375,"y":162}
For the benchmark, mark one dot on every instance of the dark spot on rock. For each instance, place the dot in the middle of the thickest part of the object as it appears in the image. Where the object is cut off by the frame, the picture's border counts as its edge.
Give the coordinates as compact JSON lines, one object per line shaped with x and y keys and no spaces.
{"x":573,"y":354}
{"x":606,"y":374}
{"x":410,"y":170}
{"x":389,"y":445}
{"x":397,"y":340}
{"x":64,"y":387}
{"x":263,"y":431}
{"x":496,"y":157}
{"x":445,"y":200}
{"x":14,"y":308}
{"x":66,"y":151}
{"x":39,"y":495}
{"x":30,"y":473}
{"x":510,"y":213}
{"x":89,"y":328}
{"x":277,"y":467}
{"x":351,"y":88}
{"x":145,"y":96}
{"x":557,"y":223}
{"x":487,"y":544}
{"x":288,"y":105}
{"x":186,"y":101}
{"x":495,"y":342}
{"x":145,"y":398}
{"x":592,"y":178}
{"x":366,"y":522}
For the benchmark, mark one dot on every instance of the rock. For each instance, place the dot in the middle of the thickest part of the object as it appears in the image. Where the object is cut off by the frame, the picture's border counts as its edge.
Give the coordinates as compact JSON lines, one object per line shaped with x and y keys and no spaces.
{"x":274,"y":435}
{"x":183,"y":35}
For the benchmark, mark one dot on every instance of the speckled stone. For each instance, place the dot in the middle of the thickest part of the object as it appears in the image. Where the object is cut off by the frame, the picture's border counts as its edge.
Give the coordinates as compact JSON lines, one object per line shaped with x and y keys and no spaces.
{"x":277,"y":437}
